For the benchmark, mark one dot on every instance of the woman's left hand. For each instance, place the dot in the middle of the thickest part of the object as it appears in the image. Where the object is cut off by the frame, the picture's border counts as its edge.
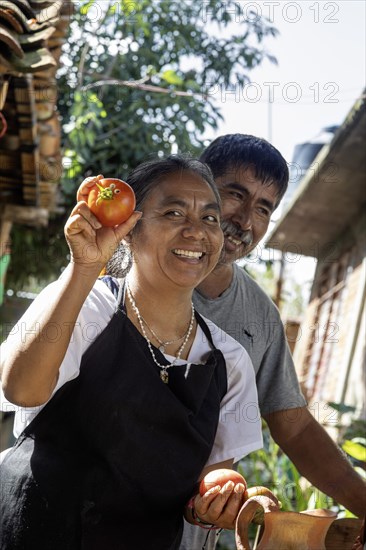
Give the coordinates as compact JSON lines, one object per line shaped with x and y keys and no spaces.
{"x":220,"y":505}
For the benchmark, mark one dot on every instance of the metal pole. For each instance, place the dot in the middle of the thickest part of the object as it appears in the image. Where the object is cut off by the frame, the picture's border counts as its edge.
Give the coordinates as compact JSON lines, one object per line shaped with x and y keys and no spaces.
{"x":270,"y":101}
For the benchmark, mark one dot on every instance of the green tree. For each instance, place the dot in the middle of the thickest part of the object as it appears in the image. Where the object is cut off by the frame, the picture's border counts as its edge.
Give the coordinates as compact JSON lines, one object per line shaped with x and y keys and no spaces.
{"x":142,"y":75}
{"x":137,"y":77}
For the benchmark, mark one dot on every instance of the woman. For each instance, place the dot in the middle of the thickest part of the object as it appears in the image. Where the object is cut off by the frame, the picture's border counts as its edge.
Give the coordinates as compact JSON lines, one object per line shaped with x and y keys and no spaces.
{"x":113,"y":457}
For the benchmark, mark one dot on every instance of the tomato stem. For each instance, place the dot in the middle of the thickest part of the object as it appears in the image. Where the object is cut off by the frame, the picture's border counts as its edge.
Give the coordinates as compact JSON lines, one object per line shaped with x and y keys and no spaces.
{"x":104,"y":194}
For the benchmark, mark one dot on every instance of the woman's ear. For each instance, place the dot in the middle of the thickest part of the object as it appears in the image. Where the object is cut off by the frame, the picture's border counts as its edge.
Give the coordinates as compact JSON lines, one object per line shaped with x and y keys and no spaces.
{"x":127,"y":239}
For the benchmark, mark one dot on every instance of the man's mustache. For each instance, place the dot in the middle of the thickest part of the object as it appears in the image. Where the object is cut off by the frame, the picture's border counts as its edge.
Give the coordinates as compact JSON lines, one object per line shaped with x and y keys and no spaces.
{"x":228,"y":228}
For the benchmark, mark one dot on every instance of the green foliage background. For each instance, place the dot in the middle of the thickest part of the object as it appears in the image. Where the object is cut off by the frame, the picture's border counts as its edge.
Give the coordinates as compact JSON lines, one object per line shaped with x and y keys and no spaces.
{"x":125,"y":65}
{"x":138,"y":78}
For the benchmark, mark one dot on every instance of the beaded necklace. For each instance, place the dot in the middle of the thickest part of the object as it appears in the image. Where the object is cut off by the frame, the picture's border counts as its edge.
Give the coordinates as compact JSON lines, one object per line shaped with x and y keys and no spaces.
{"x":164,"y":376}
{"x":162,"y":344}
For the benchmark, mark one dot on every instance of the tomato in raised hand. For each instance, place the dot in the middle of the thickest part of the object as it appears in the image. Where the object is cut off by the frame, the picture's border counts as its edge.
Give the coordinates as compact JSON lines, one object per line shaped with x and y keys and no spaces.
{"x":220,"y":477}
{"x":112,"y":201}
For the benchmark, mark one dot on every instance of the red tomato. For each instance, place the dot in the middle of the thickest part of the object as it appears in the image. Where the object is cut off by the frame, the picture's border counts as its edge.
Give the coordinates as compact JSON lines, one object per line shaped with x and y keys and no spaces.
{"x":220,"y":477}
{"x":112,"y":201}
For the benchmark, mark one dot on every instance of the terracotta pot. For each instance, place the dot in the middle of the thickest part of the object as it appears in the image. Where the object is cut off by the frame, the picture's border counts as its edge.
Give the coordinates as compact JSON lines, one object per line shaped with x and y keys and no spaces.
{"x":283,"y":530}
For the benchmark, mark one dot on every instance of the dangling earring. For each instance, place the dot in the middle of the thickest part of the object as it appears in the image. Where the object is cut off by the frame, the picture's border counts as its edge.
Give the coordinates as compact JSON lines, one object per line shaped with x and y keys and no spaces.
{"x":120,"y":263}
{"x":126,"y":261}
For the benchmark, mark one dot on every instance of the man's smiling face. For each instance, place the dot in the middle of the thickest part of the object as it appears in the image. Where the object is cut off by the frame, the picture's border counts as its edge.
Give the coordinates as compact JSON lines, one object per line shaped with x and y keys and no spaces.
{"x":247,"y":206}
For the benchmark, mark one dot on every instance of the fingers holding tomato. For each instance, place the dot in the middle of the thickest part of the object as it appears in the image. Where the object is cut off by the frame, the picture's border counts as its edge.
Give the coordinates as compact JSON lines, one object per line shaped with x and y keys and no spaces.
{"x":220,"y":477}
{"x":86,"y":216}
{"x":81,"y":234}
{"x":220,"y":505}
{"x":81,"y":221}
{"x":83,"y":191}
{"x":91,"y":244}
{"x":221,"y":495}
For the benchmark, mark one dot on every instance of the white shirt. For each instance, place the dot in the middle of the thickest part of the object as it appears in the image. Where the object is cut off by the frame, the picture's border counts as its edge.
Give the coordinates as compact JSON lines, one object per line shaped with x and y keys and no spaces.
{"x":239,"y":429}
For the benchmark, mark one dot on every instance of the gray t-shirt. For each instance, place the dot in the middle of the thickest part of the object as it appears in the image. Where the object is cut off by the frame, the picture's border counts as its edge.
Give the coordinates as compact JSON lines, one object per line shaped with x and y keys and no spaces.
{"x":246,"y":313}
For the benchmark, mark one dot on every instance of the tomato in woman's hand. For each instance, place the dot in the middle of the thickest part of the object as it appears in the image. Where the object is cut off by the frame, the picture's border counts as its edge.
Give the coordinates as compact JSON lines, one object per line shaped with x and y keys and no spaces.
{"x":112,"y":201}
{"x":220,"y":477}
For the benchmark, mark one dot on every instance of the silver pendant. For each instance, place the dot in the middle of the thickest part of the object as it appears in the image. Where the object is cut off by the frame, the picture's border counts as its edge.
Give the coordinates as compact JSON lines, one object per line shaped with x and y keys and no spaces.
{"x":162,"y":348}
{"x":164,"y":376}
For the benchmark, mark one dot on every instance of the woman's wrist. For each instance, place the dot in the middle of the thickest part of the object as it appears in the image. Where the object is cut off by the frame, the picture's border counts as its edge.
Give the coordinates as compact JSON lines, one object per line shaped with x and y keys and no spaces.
{"x":195,"y":519}
{"x":84,"y":271}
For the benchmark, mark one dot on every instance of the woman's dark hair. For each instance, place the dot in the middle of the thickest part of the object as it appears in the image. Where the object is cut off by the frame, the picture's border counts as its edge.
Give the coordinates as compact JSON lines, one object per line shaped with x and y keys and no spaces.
{"x":233,"y":151}
{"x":147,"y":175}
{"x":143,"y":180}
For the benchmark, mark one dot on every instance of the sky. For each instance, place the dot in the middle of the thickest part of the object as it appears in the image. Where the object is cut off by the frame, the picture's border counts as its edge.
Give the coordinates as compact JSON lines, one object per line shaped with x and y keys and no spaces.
{"x":320,"y":73}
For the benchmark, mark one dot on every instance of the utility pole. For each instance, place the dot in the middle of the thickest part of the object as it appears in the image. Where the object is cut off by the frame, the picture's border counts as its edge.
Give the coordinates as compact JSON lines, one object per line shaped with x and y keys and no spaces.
{"x":279,"y":283}
{"x":270,"y":101}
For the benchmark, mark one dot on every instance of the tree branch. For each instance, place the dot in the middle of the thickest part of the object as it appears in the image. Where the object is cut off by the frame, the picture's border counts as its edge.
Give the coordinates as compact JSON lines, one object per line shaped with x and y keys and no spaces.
{"x":138,"y":84}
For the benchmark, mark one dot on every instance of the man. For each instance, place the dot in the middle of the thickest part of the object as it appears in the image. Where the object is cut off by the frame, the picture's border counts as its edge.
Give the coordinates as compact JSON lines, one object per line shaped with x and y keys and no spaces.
{"x":252,"y":178}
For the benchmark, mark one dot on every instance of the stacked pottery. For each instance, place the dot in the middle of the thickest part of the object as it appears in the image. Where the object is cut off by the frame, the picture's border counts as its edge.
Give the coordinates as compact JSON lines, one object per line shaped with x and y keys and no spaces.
{"x":31,"y":37}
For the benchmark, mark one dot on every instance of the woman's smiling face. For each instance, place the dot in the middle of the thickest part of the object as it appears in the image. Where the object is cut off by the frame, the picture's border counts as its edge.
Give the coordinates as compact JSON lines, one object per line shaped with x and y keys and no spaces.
{"x":179,"y":238}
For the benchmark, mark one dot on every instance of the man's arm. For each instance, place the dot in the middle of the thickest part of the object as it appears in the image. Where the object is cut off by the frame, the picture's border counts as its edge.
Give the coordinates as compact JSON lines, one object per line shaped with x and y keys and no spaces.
{"x":317,"y":457}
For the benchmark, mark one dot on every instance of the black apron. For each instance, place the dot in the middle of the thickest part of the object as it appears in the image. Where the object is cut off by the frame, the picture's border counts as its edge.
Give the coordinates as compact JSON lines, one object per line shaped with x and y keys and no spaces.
{"x":113,"y":457}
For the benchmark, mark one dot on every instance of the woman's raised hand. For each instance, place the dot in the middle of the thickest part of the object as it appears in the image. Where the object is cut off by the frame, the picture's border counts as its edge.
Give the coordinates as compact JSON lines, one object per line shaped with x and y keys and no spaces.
{"x":92,"y":245}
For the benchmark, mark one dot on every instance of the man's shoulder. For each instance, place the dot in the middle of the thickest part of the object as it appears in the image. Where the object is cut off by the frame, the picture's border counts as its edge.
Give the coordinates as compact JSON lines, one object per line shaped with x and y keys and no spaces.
{"x":232,"y":349}
{"x":252,"y":289}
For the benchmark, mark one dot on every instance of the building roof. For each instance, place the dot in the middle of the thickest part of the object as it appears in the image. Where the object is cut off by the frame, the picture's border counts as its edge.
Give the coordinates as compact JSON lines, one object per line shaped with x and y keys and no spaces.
{"x":331,"y":195}
{"x":31,"y":36}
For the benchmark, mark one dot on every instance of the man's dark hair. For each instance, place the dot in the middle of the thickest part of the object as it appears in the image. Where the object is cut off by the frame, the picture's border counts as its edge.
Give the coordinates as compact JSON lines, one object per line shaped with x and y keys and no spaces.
{"x":233,"y":151}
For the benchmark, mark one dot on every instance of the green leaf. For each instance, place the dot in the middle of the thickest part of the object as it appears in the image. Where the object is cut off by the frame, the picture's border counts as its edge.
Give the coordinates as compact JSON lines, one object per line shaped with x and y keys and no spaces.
{"x":128,"y":7}
{"x":356,"y":450}
{"x":171,"y":77}
{"x":361,"y":472}
{"x":85,"y":8}
{"x":349,"y":514}
{"x":341,"y":407}
{"x":90,"y":137}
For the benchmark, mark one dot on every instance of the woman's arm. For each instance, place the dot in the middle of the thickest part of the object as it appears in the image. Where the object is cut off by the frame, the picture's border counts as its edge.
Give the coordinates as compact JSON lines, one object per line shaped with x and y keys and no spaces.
{"x":32,"y":355}
{"x":220,"y":505}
